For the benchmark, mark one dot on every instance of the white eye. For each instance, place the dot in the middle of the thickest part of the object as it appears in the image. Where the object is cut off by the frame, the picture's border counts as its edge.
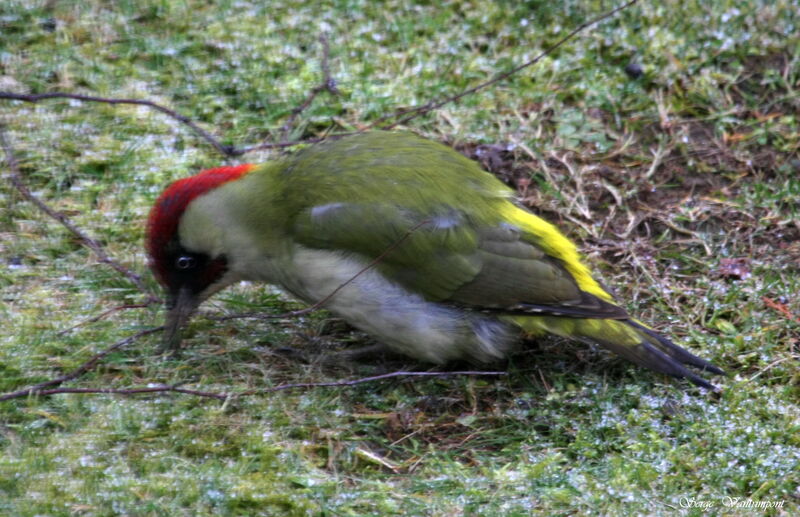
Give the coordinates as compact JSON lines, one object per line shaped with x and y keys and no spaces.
{"x":185,"y":262}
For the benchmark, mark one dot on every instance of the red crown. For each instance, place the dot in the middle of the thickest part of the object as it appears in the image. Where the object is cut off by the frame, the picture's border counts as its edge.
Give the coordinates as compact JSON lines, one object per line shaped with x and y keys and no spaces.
{"x":162,"y":224}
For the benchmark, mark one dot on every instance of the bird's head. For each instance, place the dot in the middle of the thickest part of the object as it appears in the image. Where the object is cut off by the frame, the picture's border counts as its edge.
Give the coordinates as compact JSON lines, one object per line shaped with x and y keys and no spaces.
{"x":183,"y":245}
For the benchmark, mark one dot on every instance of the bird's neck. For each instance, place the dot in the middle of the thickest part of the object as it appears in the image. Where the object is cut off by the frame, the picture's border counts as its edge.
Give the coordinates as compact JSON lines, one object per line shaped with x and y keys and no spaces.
{"x":242,"y":220}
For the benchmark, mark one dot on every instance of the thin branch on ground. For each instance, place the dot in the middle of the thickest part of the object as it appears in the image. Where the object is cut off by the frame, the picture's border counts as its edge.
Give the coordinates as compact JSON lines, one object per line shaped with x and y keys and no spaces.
{"x":410,"y":114}
{"x":226,"y":396}
{"x":80,"y":370}
{"x":15,"y":176}
{"x":289,"y":143}
{"x":103,"y":314}
{"x":41,"y":388}
{"x":117,"y":391}
{"x":227,"y":150}
{"x":328,"y":84}
{"x":374,"y":378}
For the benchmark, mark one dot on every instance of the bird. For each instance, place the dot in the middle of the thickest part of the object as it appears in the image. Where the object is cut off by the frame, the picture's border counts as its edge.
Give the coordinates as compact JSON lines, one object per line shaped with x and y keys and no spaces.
{"x":405,"y":239}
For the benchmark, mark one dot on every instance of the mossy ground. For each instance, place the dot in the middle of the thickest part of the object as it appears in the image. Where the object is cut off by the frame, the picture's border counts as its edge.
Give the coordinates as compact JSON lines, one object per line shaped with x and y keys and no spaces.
{"x":665,"y":141}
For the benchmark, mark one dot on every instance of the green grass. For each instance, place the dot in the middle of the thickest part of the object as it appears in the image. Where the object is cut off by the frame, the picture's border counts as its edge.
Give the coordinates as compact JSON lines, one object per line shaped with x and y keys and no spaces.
{"x":662,"y":179}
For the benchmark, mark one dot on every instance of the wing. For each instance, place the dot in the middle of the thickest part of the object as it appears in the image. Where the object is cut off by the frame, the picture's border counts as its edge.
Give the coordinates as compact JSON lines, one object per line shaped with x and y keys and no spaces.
{"x":448,"y":256}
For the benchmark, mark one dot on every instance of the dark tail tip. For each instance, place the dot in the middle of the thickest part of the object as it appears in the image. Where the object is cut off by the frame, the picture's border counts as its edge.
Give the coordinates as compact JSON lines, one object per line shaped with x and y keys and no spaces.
{"x":674,"y":358}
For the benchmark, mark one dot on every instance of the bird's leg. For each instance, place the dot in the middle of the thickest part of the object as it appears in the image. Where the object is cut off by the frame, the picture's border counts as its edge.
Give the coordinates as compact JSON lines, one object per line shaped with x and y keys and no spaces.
{"x":364,"y":353}
{"x":370,"y":357}
{"x":370,"y":353}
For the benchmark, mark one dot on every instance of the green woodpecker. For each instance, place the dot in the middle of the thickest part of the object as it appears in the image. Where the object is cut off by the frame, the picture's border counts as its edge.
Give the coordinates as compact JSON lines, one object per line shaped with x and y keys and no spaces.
{"x":459,"y":270}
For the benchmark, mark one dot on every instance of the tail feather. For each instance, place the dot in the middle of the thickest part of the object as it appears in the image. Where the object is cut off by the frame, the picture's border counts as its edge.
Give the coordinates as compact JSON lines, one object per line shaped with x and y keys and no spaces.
{"x":628,"y":338}
{"x":675,"y":351}
{"x":667,"y":358}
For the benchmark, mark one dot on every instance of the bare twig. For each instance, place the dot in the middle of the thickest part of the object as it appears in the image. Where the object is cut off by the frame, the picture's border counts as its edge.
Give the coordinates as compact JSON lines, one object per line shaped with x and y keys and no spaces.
{"x":362,"y":380}
{"x":103,"y":314}
{"x":288,"y":143}
{"x":119,"y":391}
{"x":432,"y":105}
{"x":292,"y":143}
{"x":42,"y":388}
{"x":374,"y":262}
{"x":80,"y":370}
{"x":225,"y":396}
{"x":770,"y":366}
{"x":15,"y":177}
{"x":328,"y":84}
{"x":227,"y":150}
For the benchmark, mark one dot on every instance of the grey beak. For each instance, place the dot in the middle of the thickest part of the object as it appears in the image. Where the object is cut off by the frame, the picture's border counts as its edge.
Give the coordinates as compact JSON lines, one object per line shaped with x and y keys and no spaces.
{"x":180,"y":308}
